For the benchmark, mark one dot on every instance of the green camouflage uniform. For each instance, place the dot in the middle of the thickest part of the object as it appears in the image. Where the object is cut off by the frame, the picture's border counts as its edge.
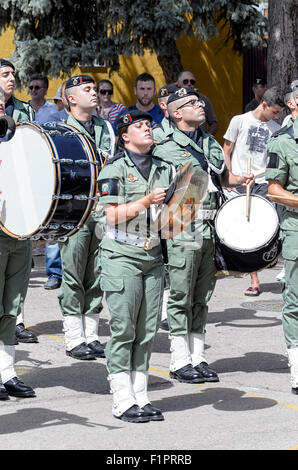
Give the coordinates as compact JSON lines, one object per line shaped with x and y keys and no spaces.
{"x":191,"y":258}
{"x":283,"y":167}
{"x":80,"y":288}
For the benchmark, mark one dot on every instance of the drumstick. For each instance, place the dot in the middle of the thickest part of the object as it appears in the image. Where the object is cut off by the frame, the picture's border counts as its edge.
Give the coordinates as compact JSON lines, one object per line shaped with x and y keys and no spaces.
{"x":248,"y":189}
{"x":260,"y":174}
{"x":286,"y":201}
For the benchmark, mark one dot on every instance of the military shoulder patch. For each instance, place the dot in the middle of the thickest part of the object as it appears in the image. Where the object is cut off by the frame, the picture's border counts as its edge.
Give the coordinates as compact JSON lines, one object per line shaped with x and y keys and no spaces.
{"x":108,"y":187}
{"x":272,"y":160}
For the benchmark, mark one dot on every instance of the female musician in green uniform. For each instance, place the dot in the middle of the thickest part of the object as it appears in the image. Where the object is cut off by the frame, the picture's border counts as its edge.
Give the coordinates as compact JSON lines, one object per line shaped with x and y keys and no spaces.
{"x":131,"y":184}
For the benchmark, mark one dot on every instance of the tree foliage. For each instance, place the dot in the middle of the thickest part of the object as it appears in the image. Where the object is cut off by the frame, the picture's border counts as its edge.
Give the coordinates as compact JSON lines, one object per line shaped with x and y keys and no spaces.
{"x":53,"y":36}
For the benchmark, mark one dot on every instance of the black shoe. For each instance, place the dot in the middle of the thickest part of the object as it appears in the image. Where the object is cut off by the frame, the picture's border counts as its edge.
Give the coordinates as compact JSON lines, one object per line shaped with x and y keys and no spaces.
{"x":81,"y":352}
{"x":134,"y":414}
{"x":209,"y":375}
{"x":97,"y":348}
{"x":52,"y":283}
{"x":23,"y":335}
{"x":154,"y":414}
{"x":3,"y":393}
{"x":187,"y":374}
{"x":164,"y":325}
{"x":16,"y":388}
{"x":295,"y":391}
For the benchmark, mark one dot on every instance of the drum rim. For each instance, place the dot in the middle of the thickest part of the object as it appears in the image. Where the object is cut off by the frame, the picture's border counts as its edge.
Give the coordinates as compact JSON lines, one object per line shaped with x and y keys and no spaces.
{"x":253,"y":249}
{"x":56,"y":180}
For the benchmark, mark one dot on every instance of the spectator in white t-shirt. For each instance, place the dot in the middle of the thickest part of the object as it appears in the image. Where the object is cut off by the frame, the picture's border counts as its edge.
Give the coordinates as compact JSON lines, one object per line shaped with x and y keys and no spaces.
{"x":246,"y":138}
{"x":44,"y":110}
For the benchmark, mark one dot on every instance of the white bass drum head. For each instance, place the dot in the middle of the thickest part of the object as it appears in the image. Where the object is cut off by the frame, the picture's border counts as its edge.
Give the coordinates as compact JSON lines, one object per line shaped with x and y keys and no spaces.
{"x":239,"y":233}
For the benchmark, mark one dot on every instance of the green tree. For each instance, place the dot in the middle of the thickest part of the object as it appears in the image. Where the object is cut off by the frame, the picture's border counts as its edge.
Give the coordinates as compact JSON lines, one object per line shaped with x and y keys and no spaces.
{"x":52,"y":36}
{"x":283,"y":42}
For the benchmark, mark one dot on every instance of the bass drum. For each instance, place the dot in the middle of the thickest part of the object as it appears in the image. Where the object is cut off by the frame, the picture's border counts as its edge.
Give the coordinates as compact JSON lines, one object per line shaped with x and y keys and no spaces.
{"x":48,"y":176}
{"x":246,"y":245}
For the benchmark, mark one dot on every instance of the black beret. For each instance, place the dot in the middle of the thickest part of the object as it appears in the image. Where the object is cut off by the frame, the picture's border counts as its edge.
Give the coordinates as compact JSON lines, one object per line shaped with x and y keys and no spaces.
{"x":78,"y":80}
{"x":182,"y":93}
{"x":167,"y":90}
{"x":6,"y":63}
{"x":130,"y":117}
{"x":260,"y":81}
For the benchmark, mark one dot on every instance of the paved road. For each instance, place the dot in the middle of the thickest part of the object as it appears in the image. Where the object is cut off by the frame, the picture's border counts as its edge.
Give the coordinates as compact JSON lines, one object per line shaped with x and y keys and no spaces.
{"x":250,"y":408}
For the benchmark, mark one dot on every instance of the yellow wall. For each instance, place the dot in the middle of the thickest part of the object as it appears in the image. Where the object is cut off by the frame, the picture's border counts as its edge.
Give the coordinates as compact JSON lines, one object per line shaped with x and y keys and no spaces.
{"x":217,"y":69}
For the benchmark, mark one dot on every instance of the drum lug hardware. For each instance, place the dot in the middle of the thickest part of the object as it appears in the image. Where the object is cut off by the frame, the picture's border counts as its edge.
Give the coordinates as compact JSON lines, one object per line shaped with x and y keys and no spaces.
{"x":62,"y":196}
{"x":54,"y":226}
{"x":83,"y":197}
{"x":95,"y":163}
{"x":68,"y":226}
{"x":82,"y":162}
{"x":43,"y":227}
{"x":67,"y":161}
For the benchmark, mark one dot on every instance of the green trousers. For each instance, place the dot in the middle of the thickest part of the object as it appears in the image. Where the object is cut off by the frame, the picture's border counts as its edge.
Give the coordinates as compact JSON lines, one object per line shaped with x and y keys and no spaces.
{"x":15,"y":268}
{"x":80,"y":291}
{"x":192,"y":282}
{"x":290,"y":291}
{"x":134,"y":289}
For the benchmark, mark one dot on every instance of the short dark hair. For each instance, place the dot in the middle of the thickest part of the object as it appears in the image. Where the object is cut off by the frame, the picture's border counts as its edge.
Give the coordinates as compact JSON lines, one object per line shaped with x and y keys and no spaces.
{"x":40,"y":77}
{"x":145,"y":77}
{"x":273,"y":96}
{"x":104,"y":81}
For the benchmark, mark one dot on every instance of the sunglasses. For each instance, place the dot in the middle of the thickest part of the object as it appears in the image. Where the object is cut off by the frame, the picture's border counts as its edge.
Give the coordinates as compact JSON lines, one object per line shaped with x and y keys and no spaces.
{"x":35,"y":87}
{"x":193,"y":103}
{"x":186,"y":81}
{"x":104,"y":92}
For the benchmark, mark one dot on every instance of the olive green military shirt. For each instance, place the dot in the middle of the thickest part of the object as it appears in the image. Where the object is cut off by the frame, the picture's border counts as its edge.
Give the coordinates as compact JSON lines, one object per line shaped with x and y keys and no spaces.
{"x":163,"y":130}
{"x":102,"y":138}
{"x":282,"y":166}
{"x":22,"y":111}
{"x":174,"y":151}
{"x":120,"y":182}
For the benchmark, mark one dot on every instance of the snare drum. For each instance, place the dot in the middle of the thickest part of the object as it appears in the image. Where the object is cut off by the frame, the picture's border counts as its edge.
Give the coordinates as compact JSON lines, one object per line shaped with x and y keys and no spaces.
{"x":48,"y":177}
{"x":247,"y":245}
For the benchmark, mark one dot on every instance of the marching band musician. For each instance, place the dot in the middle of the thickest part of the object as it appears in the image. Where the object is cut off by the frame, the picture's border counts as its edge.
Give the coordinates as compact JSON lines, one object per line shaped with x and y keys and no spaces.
{"x":282,"y":176}
{"x":16,"y":259}
{"x":80,"y":296}
{"x":132,"y":265}
{"x":191,"y":260}
{"x":19,"y":111}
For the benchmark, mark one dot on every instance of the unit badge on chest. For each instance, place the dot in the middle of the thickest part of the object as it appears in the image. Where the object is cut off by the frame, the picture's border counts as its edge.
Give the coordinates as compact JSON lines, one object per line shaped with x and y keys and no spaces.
{"x":132,"y":178}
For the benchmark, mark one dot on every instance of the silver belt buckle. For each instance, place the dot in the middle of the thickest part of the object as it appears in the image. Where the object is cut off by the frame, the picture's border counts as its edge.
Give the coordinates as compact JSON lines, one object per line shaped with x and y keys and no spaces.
{"x":148,"y":244}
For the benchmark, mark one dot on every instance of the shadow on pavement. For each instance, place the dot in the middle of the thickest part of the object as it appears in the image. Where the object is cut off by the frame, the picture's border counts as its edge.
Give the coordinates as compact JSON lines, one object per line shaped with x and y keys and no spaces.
{"x":41,"y":418}
{"x":224,"y":399}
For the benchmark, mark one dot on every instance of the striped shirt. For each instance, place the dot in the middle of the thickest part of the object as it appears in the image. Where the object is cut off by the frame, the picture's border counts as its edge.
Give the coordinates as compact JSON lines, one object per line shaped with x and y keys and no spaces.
{"x":111,"y":114}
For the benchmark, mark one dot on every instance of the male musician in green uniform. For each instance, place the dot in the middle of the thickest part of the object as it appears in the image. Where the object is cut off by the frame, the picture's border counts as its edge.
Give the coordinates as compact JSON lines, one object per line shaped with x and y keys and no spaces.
{"x":15,"y":264}
{"x":166,"y":127}
{"x":282,"y":176}
{"x":191,"y":255}
{"x":130,"y":186}
{"x":80,"y":295}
